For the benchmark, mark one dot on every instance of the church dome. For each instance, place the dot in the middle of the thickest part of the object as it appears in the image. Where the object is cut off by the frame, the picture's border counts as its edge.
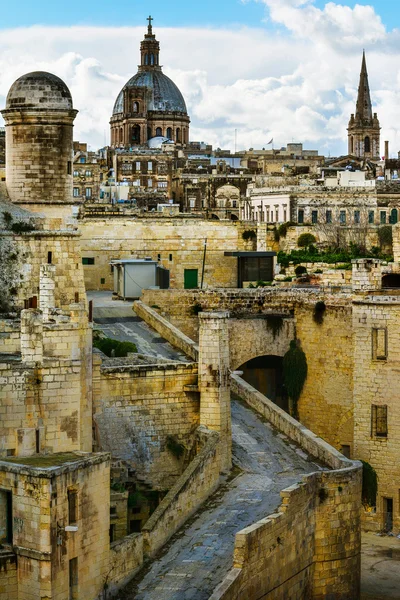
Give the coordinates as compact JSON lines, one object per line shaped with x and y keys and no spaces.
{"x":39,"y":90}
{"x":165,"y":95}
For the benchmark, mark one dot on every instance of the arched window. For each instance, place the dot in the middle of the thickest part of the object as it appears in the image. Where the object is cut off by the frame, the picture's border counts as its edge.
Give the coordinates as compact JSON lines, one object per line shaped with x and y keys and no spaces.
{"x":158,"y":132}
{"x":351,"y":145}
{"x":367,"y":144}
{"x":149,"y":136}
{"x":121,"y":135}
{"x":394,"y":217}
{"x":146,"y":59}
{"x":135,"y":107}
{"x":152,"y":59}
{"x":135,"y":134}
{"x":178,"y":135}
{"x":169,"y":133}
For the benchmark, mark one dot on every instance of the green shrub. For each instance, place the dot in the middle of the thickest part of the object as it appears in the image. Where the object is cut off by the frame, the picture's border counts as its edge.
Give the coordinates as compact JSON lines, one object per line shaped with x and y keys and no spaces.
{"x":300,"y":270}
{"x":21,"y":227}
{"x":249,"y":234}
{"x":294,"y":373}
{"x":305,"y":240}
{"x":385,"y":235}
{"x":283,"y":229}
{"x":275,"y":323}
{"x":288,"y":279}
{"x":115,"y":348}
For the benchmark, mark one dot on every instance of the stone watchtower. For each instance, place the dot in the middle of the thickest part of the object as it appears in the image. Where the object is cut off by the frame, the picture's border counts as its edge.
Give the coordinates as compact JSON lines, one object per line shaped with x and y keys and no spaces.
{"x":39,"y":117}
{"x":364,"y":130}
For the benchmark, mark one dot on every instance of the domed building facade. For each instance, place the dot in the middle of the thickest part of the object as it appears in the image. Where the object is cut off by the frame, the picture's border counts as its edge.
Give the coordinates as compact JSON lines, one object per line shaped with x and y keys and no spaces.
{"x":150,"y":104}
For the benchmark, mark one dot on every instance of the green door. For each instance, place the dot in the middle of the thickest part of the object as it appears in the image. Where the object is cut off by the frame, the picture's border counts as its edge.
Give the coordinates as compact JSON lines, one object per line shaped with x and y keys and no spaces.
{"x":190,"y":279}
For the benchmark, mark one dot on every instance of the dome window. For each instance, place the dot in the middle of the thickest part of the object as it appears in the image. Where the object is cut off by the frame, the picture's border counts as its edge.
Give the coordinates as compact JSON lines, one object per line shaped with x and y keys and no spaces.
{"x":135,"y":107}
{"x":152,"y":59}
{"x":178,"y":135}
{"x":169,"y":133}
{"x":158,"y":132}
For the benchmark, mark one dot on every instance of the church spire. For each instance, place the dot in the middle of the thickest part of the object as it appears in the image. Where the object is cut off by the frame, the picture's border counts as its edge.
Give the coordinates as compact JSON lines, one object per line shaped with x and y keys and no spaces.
{"x":364,"y":105}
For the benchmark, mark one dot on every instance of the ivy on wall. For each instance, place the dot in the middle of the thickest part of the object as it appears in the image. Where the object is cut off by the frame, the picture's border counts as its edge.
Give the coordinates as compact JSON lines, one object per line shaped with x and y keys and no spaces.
{"x":369,"y":484}
{"x":294,"y":374}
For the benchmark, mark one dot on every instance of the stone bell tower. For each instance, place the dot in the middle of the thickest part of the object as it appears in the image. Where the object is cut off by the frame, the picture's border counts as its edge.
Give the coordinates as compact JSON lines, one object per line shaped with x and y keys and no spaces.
{"x":364,"y":129}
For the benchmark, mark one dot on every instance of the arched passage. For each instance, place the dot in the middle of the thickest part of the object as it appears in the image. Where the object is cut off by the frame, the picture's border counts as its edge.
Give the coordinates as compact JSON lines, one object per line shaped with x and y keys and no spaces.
{"x":391,"y":280}
{"x":266,"y":375}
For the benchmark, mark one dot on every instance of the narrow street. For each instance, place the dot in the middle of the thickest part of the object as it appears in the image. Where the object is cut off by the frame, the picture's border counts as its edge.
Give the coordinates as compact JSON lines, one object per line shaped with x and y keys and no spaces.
{"x":200,"y":556}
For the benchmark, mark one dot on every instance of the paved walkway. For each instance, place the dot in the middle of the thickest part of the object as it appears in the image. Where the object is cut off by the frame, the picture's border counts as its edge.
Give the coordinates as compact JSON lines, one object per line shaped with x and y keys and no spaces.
{"x":380,"y":567}
{"x":118,"y":321}
{"x":198,"y":559}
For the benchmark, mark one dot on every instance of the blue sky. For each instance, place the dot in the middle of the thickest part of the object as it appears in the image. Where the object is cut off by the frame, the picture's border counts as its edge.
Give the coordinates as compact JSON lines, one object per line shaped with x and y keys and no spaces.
{"x":215,"y":13}
{"x":289,"y":71}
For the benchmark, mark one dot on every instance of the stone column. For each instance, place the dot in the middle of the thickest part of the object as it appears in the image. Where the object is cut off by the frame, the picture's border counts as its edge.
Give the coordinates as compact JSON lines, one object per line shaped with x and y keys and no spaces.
{"x":396,"y":244}
{"x":261,"y":237}
{"x":31,"y":336}
{"x":46,"y":290}
{"x":214,"y":380}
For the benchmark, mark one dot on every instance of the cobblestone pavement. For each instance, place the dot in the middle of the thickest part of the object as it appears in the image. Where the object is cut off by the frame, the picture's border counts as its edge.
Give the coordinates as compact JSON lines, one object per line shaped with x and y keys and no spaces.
{"x":118,"y":321}
{"x":200,"y":556}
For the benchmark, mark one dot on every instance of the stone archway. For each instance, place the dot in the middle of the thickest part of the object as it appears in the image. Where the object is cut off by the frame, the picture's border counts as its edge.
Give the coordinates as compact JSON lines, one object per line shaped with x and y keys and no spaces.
{"x":265,"y":374}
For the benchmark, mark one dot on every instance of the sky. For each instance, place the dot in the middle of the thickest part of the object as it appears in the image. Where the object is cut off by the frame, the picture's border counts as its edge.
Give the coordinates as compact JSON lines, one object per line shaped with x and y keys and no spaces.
{"x":281,"y":69}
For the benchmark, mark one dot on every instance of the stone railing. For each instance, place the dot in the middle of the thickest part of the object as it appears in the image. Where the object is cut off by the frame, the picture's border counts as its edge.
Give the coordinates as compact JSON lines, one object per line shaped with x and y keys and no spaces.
{"x":126,"y":559}
{"x":196,"y":484}
{"x":169,"y":332}
{"x":309,"y":548}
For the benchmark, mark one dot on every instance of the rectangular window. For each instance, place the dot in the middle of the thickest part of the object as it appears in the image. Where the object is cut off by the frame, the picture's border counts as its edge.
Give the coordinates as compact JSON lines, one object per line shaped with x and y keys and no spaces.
{"x":379,"y":343}
{"x":88,"y":192}
{"x":314,"y":216}
{"x":162,"y":184}
{"x":49,"y":258}
{"x":357,"y":217}
{"x":170,"y":257}
{"x":300,"y":216}
{"x":82,"y":160}
{"x":136,"y":183}
{"x":379,"y":427}
{"x":69,"y":167}
{"x":102,"y":281}
{"x":88,"y":173}
{"x":192,"y":202}
{"x":383,"y":217}
{"x":342,"y":217}
{"x":76,"y":173}
{"x":72,"y":507}
{"x":87,"y":261}
{"x":112,"y":533}
{"x":149,"y":183}
{"x":328,"y":216}
{"x":371,"y":217}
{"x":149,"y":166}
{"x":138,"y":165}
{"x":73,"y":579}
{"x":6,"y":517}
{"x":345,"y":450}
{"x":76,"y":192}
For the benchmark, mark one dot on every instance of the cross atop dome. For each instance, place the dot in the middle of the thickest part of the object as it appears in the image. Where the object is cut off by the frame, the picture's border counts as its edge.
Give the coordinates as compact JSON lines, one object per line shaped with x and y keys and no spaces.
{"x":150,"y":48}
{"x":150,"y":28}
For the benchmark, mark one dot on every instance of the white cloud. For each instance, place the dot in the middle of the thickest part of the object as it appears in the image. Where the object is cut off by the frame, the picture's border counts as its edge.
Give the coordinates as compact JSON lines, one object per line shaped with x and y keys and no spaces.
{"x":297,"y":82}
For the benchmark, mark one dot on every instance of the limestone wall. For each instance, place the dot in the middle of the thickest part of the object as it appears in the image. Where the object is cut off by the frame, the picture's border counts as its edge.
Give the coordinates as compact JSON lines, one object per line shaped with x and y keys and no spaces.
{"x":326,"y":402}
{"x":45,"y":391}
{"x":194,"y":486}
{"x":40,"y":515}
{"x":126,"y":558}
{"x":8,"y":575}
{"x":301,"y":551}
{"x":29,"y":251}
{"x":179,"y":242}
{"x":136,"y":408}
{"x":377,"y":363}
{"x":168,"y":331}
